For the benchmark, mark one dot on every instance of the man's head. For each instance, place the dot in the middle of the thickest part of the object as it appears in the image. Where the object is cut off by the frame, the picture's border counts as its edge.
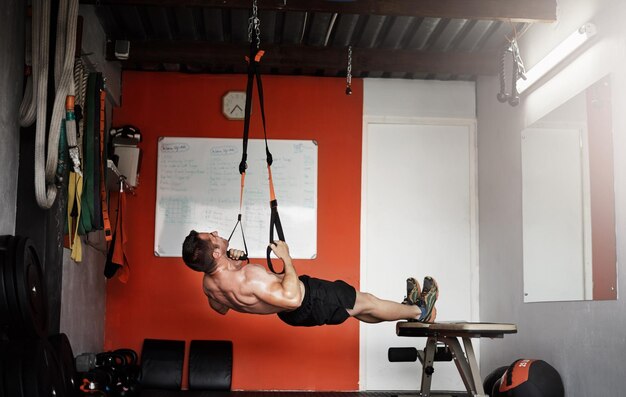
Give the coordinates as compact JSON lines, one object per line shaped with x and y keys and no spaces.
{"x":198,"y":251}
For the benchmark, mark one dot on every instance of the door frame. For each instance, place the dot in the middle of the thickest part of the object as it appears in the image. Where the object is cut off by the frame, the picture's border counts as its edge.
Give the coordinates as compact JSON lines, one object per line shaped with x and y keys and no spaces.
{"x":473,"y":195}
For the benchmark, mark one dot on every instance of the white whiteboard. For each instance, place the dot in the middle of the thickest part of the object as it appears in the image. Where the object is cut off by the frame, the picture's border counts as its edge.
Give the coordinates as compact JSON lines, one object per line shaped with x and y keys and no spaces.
{"x":198,"y":185}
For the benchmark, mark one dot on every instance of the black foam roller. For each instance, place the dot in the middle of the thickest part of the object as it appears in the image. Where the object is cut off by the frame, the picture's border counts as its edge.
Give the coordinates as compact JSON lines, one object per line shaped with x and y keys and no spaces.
{"x":210,"y":365}
{"x":162,"y":363}
{"x":402,"y":354}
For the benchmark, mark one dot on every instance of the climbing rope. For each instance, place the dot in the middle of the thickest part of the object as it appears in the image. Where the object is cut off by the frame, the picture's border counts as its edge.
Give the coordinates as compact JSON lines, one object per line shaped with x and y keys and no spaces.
{"x":34,"y":104}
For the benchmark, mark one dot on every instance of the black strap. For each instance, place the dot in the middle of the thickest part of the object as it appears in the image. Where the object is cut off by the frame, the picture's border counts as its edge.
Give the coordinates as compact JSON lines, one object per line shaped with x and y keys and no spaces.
{"x":245,"y":247}
{"x":259,"y":85}
{"x":274,"y":223}
{"x":243,"y":165}
{"x":254,"y":72}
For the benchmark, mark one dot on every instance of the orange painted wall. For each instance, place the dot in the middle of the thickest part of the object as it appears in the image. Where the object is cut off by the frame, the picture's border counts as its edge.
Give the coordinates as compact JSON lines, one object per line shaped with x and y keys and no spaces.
{"x":164,"y":299}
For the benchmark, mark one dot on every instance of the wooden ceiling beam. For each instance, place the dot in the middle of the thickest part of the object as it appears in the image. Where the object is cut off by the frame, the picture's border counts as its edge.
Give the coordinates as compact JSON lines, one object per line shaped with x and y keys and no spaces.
{"x":402,"y":61}
{"x":503,"y":10}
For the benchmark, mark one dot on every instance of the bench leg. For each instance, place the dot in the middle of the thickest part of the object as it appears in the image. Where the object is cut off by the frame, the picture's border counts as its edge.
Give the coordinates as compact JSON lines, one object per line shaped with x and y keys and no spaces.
{"x":475,"y":371}
{"x":427,"y":369}
{"x":465,"y":362}
{"x":467,"y":365}
{"x":460,"y":362}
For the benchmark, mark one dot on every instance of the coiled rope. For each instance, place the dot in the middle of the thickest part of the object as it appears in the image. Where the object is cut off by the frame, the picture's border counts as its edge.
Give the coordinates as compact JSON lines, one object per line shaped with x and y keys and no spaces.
{"x":35,"y":98}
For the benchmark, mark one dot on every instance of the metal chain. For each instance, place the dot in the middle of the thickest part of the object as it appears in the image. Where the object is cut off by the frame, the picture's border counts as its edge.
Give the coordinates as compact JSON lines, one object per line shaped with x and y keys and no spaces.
{"x":518,"y":72}
{"x":254,"y":23}
{"x":349,"y":74}
{"x":517,"y":58}
{"x":502,"y":95}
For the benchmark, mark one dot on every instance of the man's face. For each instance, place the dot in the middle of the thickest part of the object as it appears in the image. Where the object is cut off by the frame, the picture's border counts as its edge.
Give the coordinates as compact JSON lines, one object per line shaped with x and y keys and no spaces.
{"x":215,"y":240}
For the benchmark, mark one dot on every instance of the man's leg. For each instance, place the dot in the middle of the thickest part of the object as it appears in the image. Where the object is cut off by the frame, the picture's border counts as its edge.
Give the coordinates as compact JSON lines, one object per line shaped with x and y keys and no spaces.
{"x":370,"y":309}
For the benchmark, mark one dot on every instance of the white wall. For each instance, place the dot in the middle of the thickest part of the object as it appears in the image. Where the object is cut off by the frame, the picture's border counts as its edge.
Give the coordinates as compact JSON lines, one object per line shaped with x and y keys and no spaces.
{"x":583,"y":340}
{"x":418,"y":214}
{"x":419,"y":98}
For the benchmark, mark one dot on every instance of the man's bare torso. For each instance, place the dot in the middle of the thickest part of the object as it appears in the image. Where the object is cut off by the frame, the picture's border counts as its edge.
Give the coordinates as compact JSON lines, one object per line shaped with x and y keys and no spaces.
{"x":245,"y":289}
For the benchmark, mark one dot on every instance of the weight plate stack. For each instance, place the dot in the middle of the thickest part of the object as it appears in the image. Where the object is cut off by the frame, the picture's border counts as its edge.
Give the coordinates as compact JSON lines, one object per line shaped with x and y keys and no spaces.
{"x":13,"y":385}
{"x":5,"y":315}
{"x":31,"y":292}
{"x":63,"y":349}
{"x":3,"y":366}
{"x":24,"y":297}
{"x":41,"y":372}
{"x":29,"y":364}
{"x":8,"y":284}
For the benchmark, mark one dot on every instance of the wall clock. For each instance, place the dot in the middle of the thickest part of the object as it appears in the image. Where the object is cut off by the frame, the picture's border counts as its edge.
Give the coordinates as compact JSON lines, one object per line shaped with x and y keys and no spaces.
{"x":234,"y":105}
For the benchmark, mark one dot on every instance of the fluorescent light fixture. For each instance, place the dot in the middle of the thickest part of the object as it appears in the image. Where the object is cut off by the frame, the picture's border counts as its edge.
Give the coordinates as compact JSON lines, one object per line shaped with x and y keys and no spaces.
{"x":556,"y":56}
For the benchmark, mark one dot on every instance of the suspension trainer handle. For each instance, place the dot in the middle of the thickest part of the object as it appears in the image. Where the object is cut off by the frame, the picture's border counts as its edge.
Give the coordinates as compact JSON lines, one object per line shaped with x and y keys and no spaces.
{"x":274,"y":224}
{"x":244,"y":257}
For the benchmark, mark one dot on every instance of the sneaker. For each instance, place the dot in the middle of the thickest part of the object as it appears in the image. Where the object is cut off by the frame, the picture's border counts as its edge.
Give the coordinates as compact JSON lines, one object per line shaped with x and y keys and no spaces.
{"x":413,"y":292}
{"x":427,"y":300}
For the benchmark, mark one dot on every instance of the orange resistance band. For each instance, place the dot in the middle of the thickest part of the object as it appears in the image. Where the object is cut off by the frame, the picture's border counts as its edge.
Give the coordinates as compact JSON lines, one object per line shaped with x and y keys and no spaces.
{"x":103,"y":193}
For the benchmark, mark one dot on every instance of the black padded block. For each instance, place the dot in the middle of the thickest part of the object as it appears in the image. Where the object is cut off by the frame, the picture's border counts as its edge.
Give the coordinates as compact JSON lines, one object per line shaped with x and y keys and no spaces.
{"x":210,"y":365}
{"x":402,"y":354}
{"x":162,"y":363}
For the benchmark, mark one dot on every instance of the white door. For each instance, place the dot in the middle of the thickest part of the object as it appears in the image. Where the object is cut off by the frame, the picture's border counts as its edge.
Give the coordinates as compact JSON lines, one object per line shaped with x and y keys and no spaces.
{"x":418,"y":219}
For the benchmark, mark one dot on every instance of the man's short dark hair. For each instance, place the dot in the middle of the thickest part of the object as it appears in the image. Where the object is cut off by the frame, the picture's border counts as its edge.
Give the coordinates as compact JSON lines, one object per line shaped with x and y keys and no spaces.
{"x":197,"y":253}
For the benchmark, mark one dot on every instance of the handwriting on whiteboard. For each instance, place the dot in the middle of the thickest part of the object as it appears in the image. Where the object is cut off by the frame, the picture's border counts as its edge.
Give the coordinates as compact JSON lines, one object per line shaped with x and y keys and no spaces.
{"x":198,"y":187}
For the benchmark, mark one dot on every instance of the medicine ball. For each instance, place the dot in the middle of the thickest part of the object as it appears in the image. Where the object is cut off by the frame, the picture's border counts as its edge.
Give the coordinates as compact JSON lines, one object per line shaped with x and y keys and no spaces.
{"x":492,"y":378}
{"x":529,"y":378}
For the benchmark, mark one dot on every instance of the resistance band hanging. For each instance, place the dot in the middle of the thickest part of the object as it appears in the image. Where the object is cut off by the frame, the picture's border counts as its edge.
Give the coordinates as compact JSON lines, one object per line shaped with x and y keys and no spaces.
{"x":253,"y":71}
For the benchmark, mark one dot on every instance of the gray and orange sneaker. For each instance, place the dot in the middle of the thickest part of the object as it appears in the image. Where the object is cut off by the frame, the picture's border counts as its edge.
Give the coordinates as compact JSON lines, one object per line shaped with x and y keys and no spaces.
{"x":413,"y":292}
{"x":427,"y":300}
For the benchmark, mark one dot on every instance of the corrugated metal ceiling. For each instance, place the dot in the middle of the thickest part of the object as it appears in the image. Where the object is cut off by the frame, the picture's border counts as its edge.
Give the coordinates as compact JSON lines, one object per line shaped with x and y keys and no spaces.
{"x":309,"y":30}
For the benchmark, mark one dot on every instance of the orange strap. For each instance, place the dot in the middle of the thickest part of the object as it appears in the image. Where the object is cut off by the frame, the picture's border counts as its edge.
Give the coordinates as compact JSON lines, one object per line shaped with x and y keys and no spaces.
{"x":243,"y":180}
{"x":272,"y":194}
{"x":103,"y":193}
{"x":257,"y":57}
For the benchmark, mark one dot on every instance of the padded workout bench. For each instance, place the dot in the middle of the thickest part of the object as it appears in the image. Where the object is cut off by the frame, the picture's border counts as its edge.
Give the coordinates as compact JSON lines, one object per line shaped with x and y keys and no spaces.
{"x":448,"y":334}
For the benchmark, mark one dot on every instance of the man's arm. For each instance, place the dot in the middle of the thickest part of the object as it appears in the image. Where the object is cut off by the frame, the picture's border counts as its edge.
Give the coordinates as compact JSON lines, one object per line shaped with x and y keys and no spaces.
{"x":218,"y":307}
{"x":289,"y":295}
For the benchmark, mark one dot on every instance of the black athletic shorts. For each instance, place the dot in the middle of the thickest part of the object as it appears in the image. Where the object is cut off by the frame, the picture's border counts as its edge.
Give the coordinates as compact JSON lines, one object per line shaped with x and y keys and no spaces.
{"x":325,"y":302}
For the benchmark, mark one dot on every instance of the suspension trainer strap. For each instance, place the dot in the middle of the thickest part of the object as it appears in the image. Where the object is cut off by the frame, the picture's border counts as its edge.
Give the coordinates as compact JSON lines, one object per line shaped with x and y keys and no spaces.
{"x":254,"y":72}
{"x":274,"y":217}
{"x":243,"y":165}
